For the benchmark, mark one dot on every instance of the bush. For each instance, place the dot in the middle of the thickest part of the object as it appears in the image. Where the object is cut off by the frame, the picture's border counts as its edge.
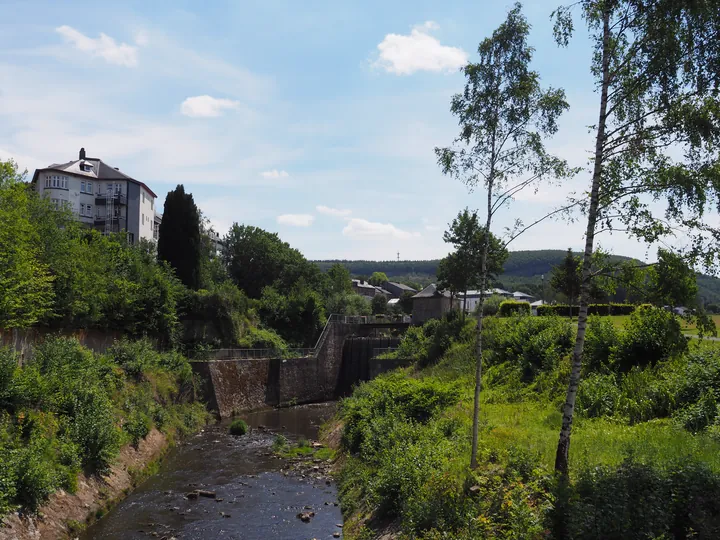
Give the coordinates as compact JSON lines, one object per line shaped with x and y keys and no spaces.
{"x":428,"y":343}
{"x":63,"y":410}
{"x":535,"y":343}
{"x":391,"y":396}
{"x":563,"y":310}
{"x":238,"y":427}
{"x":512,"y":307}
{"x":491,"y":305}
{"x":651,"y":335}
{"x":598,"y":395}
{"x":640,"y":501}
{"x":601,"y":339}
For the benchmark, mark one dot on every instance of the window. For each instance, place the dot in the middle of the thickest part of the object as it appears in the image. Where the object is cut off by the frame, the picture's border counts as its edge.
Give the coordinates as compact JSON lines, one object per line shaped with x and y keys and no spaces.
{"x":143,"y":219}
{"x":143,"y":197}
{"x":152,"y":204}
{"x":64,"y":182}
{"x":89,"y":187}
{"x":82,"y":187}
{"x":55,"y":203}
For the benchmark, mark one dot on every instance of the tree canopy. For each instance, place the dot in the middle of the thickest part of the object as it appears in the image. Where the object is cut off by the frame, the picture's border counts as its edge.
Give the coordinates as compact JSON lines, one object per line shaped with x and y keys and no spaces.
{"x":180,"y":237}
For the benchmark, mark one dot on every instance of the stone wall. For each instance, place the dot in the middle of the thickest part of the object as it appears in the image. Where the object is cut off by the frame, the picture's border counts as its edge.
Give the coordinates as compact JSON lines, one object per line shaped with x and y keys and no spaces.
{"x":23,"y":340}
{"x":238,"y":385}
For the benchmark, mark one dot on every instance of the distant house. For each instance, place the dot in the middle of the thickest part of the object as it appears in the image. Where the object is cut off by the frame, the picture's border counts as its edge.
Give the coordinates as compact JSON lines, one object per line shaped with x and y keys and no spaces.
{"x":384,"y":292}
{"x":535,"y":305}
{"x":498,"y":292}
{"x":363,"y":288}
{"x":474,"y":297}
{"x":522,"y":297}
{"x":396,"y":290}
{"x":430,"y":303}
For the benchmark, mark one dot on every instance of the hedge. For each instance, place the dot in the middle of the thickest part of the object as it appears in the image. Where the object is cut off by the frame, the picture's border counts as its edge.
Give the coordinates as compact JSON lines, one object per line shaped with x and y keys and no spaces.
{"x":510,"y":307}
{"x":593,"y":309}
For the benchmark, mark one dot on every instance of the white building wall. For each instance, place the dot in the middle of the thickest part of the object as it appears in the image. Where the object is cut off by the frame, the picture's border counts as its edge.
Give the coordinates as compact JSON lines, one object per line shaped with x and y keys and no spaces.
{"x":147,"y":214}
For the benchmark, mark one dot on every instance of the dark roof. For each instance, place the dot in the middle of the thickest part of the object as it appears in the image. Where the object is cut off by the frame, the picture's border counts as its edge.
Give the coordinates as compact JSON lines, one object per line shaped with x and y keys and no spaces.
{"x":383,"y":291}
{"x":101,"y":170}
{"x":402,"y":286}
{"x":431,"y":291}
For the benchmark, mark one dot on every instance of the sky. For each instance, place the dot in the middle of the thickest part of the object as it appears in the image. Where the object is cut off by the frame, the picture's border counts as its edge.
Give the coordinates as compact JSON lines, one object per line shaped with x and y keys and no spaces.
{"x":316,"y":120}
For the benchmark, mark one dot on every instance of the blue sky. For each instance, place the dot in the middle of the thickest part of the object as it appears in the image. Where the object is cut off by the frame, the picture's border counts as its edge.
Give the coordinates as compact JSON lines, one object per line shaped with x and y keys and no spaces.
{"x":313,"y":119}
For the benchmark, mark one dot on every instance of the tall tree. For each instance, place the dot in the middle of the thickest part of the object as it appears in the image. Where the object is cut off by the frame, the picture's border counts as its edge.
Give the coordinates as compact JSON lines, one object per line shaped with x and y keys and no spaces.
{"x":378,"y":278}
{"x":26,"y":292}
{"x":461,"y":270}
{"x":180,"y":238}
{"x":339,"y":279}
{"x":256,"y":258}
{"x":503,"y":115}
{"x":656,"y":65}
{"x":566,"y":277}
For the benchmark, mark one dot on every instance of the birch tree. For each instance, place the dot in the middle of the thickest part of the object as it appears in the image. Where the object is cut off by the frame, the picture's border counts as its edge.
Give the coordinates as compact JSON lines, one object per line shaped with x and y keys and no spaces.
{"x":654,"y":170}
{"x":504,"y":115}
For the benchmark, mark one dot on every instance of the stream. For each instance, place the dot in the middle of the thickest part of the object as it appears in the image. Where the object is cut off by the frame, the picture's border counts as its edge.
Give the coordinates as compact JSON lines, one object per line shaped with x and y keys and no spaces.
{"x":258,"y":496}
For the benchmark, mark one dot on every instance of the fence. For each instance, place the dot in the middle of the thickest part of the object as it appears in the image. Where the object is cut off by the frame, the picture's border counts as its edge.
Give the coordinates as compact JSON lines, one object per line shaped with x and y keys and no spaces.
{"x":250,"y":354}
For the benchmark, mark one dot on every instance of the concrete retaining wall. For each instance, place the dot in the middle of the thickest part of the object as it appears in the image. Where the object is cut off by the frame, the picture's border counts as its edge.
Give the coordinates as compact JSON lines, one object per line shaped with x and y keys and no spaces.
{"x":23,"y":340}
{"x":246,"y":384}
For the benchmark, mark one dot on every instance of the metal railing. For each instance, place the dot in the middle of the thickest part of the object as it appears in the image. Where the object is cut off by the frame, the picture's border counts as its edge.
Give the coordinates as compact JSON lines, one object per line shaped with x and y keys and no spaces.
{"x":116,"y":197}
{"x":258,"y":354}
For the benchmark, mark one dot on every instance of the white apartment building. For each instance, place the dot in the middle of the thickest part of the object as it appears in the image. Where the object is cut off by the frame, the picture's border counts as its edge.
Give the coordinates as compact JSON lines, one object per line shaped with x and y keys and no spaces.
{"x":100,"y":196}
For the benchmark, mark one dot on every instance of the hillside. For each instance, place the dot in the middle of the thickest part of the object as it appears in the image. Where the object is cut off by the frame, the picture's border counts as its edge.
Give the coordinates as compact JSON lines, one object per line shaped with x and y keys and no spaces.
{"x":523,"y":271}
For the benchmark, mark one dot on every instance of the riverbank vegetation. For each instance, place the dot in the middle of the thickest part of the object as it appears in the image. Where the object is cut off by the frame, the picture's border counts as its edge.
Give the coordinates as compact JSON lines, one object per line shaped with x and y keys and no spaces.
{"x":645,"y":457}
{"x":68,"y":410}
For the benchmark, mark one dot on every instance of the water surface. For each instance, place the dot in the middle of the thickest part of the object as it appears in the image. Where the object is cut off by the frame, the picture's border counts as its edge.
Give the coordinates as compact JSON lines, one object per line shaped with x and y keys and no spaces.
{"x":258,"y":495}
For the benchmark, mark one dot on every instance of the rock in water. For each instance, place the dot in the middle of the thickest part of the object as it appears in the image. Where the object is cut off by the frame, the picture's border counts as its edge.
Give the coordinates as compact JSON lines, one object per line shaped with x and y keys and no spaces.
{"x":306,"y":516}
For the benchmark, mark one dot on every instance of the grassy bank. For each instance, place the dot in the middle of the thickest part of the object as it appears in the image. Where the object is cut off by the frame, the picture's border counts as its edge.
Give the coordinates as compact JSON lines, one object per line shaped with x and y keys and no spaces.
{"x":69,"y":410}
{"x":645,"y":456}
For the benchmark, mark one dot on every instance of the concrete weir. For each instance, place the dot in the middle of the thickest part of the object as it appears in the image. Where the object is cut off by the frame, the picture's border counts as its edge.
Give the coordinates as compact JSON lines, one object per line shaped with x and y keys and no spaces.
{"x":235,"y":383}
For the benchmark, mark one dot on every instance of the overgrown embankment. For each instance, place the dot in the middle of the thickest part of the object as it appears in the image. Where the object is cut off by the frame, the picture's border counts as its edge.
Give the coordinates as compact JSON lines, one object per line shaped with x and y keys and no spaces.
{"x":69,"y":411}
{"x":645,"y":457}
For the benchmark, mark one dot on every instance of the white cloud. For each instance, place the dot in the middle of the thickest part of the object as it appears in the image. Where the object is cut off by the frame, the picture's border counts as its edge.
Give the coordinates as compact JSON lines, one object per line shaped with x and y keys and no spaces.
{"x":296,"y":220}
{"x":142,"y":38}
{"x":336,"y":212}
{"x":357,"y":228}
{"x":104,"y":47}
{"x":206,"y":106}
{"x":404,"y":55}
{"x":274,"y":174}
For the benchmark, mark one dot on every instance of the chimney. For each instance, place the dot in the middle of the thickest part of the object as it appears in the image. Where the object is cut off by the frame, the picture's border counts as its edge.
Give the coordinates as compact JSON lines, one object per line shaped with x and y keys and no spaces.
{"x":82,"y":153}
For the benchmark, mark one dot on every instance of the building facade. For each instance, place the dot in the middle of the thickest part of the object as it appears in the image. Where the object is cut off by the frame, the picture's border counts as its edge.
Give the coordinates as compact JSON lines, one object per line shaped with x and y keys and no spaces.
{"x":100,"y":196}
{"x":431,"y":303}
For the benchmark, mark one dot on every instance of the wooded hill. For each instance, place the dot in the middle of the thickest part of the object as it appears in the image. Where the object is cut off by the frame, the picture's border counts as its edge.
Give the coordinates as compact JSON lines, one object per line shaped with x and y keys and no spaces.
{"x":523,"y":271}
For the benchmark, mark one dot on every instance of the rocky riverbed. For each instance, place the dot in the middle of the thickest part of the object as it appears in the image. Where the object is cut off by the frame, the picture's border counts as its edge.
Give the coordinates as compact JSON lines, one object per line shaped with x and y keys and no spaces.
{"x":219,"y":486}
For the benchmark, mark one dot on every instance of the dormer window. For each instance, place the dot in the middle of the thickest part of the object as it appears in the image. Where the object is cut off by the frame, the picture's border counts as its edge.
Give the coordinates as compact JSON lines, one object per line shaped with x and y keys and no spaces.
{"x":85,"y":166}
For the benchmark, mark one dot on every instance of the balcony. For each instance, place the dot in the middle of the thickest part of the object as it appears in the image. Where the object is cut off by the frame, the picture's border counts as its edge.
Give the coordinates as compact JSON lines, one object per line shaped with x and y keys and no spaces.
{"x":101,"y":219}
{"x":116,"y":198}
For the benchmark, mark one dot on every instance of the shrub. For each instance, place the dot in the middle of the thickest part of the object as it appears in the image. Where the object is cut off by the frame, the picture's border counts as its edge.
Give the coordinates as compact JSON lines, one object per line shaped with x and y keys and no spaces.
{"x":601,"y":339}
{"x":593,"y":309}
{"x":640,"y":501}
{"x":391,"y":398}
{"x":262,"y":338}
{"x":428,"y":343}
{"x":491,"y":305}
{"x":651,"y":335}
{"x":535,"y":343}
{"x":512,"y":307}
{"x":598,"y":395}
{"x":238,"y":427}
{"x":137,"y":426}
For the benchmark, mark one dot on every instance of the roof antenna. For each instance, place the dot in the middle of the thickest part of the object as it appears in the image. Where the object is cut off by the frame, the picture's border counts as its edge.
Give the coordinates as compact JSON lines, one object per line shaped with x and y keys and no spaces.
{"x":398,"y":256}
